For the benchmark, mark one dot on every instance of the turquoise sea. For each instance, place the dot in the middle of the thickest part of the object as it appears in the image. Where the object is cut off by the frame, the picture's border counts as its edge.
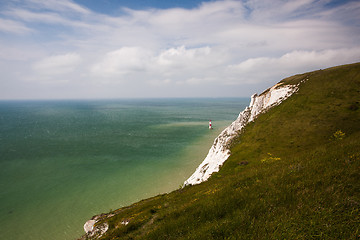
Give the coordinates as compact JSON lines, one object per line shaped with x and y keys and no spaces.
{"x":61,"y":162}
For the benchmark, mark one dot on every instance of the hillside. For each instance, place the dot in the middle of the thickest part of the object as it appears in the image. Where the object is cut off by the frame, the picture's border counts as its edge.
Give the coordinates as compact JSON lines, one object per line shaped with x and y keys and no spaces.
{"x":293,"y":173}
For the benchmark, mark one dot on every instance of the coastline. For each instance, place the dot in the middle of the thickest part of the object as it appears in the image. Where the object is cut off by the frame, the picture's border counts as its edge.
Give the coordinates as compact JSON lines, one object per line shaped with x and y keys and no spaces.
{"x":223,"y":197}
{"x":219,"y":151}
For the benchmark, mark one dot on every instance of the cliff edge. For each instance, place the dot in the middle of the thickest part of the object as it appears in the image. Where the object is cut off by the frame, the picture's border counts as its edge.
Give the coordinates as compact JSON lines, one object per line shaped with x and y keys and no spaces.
{"x":219,"y":151}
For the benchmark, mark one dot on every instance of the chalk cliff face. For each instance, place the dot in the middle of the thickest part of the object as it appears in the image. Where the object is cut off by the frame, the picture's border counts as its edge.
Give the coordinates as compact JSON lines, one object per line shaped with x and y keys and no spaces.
{"x":219,"y":151}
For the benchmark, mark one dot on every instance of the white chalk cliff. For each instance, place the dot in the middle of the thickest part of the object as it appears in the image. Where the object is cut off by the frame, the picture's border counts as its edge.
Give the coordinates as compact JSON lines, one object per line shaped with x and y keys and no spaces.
{"x":219,"y":151}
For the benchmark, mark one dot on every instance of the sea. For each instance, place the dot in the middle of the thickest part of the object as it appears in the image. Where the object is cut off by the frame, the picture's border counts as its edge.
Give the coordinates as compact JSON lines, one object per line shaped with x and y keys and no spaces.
{"x":64,"y":161}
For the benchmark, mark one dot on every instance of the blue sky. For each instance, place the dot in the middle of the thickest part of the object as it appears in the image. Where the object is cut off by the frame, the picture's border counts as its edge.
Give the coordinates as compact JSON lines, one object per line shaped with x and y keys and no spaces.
{"x":80,"y":49}
{"x":113,"y":6}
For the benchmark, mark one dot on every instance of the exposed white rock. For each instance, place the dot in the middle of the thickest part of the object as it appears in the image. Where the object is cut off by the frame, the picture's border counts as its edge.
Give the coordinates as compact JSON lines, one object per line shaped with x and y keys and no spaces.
{"x":89,"y":225}
{"x":125,"y":222}
{"x":219,"y":151}
{"x":92,"y":231}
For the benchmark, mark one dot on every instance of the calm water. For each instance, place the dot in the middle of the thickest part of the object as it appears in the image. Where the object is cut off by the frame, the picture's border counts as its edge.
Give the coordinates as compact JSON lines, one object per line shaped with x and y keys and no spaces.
{"x":61,"y":162}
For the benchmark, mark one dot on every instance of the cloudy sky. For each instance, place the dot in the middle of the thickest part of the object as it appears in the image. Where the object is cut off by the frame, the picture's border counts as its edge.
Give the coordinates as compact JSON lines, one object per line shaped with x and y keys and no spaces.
{"x":75,"y":49}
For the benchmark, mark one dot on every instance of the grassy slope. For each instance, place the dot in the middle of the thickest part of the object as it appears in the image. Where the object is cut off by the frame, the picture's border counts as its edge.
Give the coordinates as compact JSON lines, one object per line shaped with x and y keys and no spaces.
{"x":300,"y":182}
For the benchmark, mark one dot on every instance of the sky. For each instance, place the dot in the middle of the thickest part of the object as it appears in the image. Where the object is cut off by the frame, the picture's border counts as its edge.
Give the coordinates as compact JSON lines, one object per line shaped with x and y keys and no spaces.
{"x":105,"y":49}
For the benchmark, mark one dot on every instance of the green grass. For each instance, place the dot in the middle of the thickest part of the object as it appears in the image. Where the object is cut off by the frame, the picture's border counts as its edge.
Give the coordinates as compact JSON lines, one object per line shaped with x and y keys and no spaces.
{"x":301,"y":180}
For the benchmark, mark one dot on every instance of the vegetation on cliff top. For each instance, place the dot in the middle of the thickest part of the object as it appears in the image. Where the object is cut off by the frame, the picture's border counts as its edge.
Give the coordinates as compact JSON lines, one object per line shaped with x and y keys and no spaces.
{"x":293,"y":174}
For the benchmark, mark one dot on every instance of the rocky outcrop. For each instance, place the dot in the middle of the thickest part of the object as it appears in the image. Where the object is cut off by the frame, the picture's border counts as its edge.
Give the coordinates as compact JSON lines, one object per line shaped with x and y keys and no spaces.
{"x":219,"y":151}
{"x":93,"y":229}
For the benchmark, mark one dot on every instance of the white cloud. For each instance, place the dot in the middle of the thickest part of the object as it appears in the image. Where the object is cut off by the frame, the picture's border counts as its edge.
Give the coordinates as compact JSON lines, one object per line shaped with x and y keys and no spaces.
{"x":347,"y":12}
{"x":187,"y":65}
{"x":29,"y":16}
{"x":122,"y":61}
{"x":63,"y":6}
{"x":217,"y":45}
{"x":180,"y":58}
{"x":173,"y":65}
{"x":48,"y":18}
{"x":57,"y":65}
{"x":13,"y":27}
{"x":266,"y":68}
{"x":209,"y":14}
